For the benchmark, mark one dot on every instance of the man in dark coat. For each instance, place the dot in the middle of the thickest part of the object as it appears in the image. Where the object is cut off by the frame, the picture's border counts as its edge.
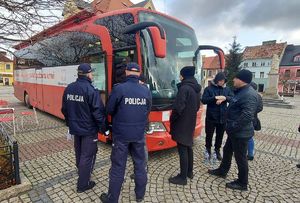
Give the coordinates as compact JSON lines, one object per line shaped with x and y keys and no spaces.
{"x":183,"y":122}
{"x":85,"y":116}
{"x":216,"y":96}
{"x":239,"y":128}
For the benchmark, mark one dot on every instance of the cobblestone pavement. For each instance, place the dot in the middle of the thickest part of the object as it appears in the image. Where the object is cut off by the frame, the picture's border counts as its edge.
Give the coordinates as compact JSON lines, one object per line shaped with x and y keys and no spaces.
{"x":47,"y":160}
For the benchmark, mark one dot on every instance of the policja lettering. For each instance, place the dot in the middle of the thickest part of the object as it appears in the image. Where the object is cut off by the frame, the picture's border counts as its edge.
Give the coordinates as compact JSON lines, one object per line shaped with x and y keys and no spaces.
{"x":135,"y":101}
{"x":77,"y":98}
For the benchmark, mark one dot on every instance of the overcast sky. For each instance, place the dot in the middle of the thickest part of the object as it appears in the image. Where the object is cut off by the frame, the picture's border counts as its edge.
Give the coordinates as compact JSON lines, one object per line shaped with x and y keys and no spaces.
{"x":251,"y":21}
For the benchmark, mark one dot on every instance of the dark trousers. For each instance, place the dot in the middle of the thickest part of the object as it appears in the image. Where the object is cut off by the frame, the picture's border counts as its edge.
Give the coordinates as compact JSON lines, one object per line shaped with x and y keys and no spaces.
{"x":186,"y":160}
{"x":210,"y":128}
{"x":119,"y":155}
{"x":85,"y":153}
{"x":239,"y":147}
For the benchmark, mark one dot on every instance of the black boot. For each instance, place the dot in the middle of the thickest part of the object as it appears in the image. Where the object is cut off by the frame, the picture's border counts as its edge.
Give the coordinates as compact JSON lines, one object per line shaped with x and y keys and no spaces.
{"x":104,"y":198}
{"x":235,"y":185}
{"x":218,"y":154}
{"x":90,"y":186}
{"x":217,"y":172}
{"x":178,"y":180}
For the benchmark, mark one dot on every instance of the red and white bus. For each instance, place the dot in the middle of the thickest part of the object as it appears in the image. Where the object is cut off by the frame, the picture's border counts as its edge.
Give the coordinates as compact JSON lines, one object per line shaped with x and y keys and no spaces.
{"x":160,"y":44}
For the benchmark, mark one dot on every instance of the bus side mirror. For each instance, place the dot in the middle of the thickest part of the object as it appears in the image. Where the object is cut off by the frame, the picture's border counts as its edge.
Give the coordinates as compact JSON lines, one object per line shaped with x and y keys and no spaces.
{"x":159,"y":42}
{"x":217,"y":50}
{"x":157,"y":34}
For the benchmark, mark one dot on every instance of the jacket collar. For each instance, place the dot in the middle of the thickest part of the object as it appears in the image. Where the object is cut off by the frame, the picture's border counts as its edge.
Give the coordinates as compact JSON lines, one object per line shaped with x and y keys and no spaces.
{"x":84,"y":79}
{"x":132,"y":78}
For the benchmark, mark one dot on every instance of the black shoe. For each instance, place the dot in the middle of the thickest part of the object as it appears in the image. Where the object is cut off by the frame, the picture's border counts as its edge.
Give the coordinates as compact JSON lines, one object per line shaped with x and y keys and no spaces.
{"x":235,"y":185}
{"x":178,"y":180}
{"x":191,"y":175}
{"x":104,"y":198}
{"x":298,"y":165}
{"x":250,"y":158}
{"x":219,"y":156}
{"x":217,"y":172}
{"x":139,"y":199}
{"x":90,"y":186}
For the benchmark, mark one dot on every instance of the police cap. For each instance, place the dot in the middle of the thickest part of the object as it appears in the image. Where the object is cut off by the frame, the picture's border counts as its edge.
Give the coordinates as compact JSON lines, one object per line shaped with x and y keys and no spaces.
{"x":133,"y":67}
{"x":84,"y":68}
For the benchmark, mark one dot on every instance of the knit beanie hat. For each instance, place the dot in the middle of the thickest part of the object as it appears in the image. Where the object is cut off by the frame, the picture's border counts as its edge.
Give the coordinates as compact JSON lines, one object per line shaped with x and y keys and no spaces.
{"x":220,"y":76}
{"x":244,"y":75}
{"x":187,"y":71}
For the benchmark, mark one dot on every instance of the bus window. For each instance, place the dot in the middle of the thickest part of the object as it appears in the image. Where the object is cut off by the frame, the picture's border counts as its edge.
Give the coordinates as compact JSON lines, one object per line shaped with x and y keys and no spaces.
{"x":116,"y":24}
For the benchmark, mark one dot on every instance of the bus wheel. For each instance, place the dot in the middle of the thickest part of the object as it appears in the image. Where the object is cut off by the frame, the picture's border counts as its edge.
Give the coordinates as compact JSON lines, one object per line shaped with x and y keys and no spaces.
{"x":27,"y":101}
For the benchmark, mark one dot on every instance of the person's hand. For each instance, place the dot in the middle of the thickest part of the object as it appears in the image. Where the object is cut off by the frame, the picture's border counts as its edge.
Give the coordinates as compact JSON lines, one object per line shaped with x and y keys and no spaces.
{"x":219,"y":102}
{"x":223,"y":98}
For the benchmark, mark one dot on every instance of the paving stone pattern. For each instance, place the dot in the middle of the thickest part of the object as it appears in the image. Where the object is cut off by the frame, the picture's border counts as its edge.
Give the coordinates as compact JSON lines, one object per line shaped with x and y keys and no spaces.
{"x":47,"y":160}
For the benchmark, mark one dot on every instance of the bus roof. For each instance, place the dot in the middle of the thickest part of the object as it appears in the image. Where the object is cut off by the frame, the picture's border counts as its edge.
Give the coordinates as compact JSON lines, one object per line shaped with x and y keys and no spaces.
{"x":83,"y":16}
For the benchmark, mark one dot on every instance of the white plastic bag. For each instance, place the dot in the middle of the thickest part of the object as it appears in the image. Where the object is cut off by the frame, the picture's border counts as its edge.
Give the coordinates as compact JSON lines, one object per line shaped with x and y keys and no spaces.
{"x":69,"y":136}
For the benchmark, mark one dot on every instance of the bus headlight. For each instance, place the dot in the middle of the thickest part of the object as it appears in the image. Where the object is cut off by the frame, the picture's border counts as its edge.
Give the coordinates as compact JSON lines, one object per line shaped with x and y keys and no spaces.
{"x":156,"y":127}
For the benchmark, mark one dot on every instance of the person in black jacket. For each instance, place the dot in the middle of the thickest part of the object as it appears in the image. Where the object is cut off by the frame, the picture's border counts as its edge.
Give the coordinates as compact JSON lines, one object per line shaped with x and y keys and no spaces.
{"x":239,"y":128}
{"x":85,"y":116}
{"x":183,"y":122}
{"x":256,"y":123}
{"x":216,"y":96}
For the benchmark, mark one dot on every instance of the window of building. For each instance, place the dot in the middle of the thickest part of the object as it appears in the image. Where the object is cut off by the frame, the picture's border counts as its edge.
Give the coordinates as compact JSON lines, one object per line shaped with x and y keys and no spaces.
{"x":253,"y":74}
{"x":262,"y":74}
{"x":245,"y":64}
{"x":298,"y":73}
{"x":209,"y":73}
{"x":287,"y":73}
{"x":297,"y":58}
{"x":7,"y":66}
{"x":254,"y":64}
{"x":263,"y":64}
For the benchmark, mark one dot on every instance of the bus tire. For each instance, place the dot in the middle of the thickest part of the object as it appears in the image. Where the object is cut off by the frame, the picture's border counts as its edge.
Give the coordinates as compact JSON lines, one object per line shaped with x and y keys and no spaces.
{"x":27,"y":101}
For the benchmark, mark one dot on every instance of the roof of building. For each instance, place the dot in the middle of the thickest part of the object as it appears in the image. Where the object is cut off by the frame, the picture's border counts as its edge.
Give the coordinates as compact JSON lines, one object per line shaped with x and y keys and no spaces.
{"x":211,"y":62}
{"x":3,"y":58}
{"x":288,"y":57}
{"x":266,"y":50}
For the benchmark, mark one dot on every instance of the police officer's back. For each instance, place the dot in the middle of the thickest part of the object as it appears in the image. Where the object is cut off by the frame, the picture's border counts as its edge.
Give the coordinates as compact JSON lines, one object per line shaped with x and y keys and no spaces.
{"x":85,"y":116}
{"x":129,"y":105}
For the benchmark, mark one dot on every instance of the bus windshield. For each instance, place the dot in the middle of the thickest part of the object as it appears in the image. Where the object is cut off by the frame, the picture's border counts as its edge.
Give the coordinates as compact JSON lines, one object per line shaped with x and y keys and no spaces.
{"x":162,"y":74}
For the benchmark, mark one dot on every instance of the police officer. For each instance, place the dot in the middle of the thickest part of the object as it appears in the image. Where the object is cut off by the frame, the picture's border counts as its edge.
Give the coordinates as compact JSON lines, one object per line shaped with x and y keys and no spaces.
{"x":85,"y":116}
{"x":129,"y":105}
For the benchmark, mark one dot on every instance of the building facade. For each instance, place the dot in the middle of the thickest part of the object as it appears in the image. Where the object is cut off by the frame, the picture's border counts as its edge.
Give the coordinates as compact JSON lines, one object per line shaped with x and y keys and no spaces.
{"x":258,"y":60}
{"x":211,"y":66}
{"x":73,"y":7}
{"x":6,"y":70}
{"x":289,"y":71}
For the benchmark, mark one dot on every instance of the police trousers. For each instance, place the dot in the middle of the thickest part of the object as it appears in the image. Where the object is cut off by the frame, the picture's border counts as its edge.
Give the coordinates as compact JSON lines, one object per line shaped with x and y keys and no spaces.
{"x":238,"y":146}
{"x":120,"y":150}
{"x":85,"y":153}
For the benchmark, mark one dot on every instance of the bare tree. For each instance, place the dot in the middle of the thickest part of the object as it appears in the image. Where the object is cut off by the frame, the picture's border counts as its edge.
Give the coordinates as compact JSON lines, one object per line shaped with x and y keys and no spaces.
{"x":20,"y":19}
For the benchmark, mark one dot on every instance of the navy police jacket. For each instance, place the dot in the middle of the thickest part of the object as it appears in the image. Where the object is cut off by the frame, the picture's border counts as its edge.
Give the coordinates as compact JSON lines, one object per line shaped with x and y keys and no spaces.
{"x":129,"y":105}
{"x":83,"y":109}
